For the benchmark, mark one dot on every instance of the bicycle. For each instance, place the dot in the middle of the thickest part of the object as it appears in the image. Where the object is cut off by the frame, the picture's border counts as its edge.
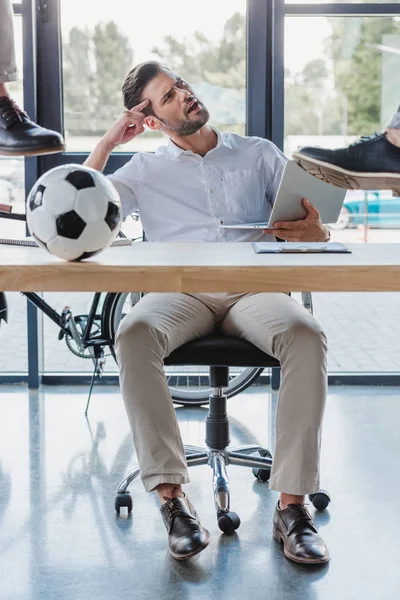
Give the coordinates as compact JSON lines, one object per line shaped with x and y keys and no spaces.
{"x":92,"y":335}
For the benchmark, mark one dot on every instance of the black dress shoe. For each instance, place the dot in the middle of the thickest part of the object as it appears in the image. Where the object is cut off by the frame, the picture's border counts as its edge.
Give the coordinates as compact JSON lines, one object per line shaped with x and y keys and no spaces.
{"x":19,"y":136}
{"x":186,"y":537}
{"x":294,"y":527}
{"x":371,"y":163}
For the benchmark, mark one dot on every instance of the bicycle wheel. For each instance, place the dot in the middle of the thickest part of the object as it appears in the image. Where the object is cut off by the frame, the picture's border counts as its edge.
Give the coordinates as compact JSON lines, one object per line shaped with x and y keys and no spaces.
{"x":189,"y":385}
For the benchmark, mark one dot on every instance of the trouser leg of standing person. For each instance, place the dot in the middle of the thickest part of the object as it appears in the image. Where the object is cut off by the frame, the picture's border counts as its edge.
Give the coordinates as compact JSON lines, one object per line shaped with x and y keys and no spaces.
{"x":394,"y":122}
{"x":8,"y":65}
{"x":19,"y":136}
{"x":370,"y":163}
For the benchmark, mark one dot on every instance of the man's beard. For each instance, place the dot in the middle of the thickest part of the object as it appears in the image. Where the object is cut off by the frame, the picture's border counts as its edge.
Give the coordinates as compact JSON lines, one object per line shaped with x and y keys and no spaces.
{"x":188,"y":126}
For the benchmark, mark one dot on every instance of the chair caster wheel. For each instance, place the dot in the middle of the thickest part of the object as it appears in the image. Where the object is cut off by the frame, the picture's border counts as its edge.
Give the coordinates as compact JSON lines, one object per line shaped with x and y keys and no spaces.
{"x":228,"y":522}
{"x":262,"y":474}
{"x":320,"y":500}
{"x":123,"y":499}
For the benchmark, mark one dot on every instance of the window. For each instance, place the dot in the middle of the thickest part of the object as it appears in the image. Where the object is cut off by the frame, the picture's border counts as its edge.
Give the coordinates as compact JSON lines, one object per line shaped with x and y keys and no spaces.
{"x":106,"y":41}
{"x":339,"y":85}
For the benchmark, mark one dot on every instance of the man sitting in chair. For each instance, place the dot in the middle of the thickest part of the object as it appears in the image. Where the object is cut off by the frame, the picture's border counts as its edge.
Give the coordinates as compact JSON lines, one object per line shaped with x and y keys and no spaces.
{"x":183,"y":192}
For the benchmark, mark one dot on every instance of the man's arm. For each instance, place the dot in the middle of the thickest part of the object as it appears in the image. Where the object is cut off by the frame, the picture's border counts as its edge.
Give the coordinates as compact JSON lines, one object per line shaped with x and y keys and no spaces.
{"x":126,"y":127}
{"x":99,"y":157}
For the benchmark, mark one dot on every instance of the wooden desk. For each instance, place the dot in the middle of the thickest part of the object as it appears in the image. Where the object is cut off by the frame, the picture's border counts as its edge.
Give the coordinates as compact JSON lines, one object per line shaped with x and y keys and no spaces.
{"x":202,"y":267}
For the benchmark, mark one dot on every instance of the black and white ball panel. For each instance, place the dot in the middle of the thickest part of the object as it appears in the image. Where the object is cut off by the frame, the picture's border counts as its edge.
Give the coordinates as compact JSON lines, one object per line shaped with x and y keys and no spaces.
{"x":90,"y":204}
{"x":42,"y":224}
{"x":66,"y":248}
{"x":59,"y":197}
{"x":70,"y":225}
{"x":95,"y":236}
{"x":36,"y":199}
{"x":81,"y":180}
{"x":113,"y":216}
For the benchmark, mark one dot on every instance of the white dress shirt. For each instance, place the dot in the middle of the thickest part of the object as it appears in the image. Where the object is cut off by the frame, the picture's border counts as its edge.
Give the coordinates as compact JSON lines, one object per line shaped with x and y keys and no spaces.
{"x":184,"y":197}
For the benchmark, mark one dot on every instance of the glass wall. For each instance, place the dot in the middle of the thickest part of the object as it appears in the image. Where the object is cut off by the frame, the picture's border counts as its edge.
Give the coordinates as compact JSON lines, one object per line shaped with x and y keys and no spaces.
{"x":102,"y":41}
{"x":13,"y":339}
{"x":339,"y":86}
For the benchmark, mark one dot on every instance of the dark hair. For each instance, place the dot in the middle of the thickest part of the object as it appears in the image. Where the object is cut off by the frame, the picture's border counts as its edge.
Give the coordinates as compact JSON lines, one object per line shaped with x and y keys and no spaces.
{"x":136,"y":80}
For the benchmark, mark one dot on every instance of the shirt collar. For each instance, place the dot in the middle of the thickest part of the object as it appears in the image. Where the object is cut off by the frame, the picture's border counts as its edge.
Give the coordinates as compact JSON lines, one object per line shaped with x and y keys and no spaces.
{"x":175,"y":151}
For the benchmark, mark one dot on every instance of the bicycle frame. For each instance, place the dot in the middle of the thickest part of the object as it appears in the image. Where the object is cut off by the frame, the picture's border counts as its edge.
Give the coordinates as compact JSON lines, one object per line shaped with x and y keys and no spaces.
{"x":86,"y":339}
{"x":59,"y":319}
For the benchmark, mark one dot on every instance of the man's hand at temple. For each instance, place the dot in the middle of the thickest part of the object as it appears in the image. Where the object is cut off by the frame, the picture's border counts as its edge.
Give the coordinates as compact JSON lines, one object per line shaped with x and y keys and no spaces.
{"x":127,"y":126}
{"x":123,"y":130}
{"x":310,"y":229}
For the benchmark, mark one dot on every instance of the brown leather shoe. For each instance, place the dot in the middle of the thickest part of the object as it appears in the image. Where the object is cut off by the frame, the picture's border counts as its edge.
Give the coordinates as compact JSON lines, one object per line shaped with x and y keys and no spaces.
{"x":186,"y":537}
{"x":294,"y":527}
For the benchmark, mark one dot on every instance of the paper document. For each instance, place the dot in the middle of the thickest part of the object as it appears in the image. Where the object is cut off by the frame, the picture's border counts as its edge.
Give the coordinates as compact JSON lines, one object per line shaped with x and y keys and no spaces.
{"x":298,"y":247}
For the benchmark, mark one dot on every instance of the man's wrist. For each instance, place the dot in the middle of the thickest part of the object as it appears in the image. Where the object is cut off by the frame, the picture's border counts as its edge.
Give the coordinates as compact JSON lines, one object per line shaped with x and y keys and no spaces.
{"x":107,"y":145}
{"x":327,"y":234}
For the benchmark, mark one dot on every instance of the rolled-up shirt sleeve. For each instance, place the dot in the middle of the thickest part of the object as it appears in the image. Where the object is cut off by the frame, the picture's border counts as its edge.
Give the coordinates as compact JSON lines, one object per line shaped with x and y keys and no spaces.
{"x":275,"y":162}
{"x":128,"y":182}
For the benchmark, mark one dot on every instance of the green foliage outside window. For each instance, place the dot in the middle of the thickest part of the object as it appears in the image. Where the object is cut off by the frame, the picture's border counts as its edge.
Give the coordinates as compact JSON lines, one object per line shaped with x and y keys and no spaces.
{"x":339,"y":93}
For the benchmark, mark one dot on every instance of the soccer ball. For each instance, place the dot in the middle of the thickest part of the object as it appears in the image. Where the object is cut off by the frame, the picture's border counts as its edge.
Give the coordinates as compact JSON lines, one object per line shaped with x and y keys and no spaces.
{"x":73,"y":212}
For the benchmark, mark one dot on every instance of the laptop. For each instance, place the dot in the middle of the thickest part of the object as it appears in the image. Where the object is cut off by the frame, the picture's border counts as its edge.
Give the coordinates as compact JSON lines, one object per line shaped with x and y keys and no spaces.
{"x":295,"y":185}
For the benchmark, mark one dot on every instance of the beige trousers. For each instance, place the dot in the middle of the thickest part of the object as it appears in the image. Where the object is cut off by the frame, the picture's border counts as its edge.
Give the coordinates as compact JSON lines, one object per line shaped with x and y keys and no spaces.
{"x":8,"y":66}
{"x":277,"y":324}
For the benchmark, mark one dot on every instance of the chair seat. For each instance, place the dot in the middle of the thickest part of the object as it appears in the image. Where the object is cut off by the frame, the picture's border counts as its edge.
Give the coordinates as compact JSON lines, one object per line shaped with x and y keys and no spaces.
{"x":220,"y":351}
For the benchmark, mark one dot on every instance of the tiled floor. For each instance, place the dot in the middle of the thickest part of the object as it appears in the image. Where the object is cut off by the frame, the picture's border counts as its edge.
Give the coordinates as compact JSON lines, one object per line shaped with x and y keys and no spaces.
{"x":60,"y":538}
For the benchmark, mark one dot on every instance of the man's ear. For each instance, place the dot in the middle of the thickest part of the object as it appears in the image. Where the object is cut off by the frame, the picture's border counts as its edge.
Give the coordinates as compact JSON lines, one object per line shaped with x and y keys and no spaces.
{"x":153,"y":123}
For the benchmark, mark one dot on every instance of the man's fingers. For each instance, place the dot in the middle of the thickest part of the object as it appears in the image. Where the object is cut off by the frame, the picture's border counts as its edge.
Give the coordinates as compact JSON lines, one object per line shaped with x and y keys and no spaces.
{"x":139,"y":107}
{"x":134,"y":122}
{"x":286,"y":225}
{"x":136,"y":129}
{"x":136,"y":116}
{"x":311,"y":210}
{"x":284,"y":234}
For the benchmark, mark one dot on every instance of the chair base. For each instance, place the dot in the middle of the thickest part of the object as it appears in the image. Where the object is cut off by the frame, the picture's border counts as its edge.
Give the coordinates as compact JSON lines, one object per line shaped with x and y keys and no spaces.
{"x":218,"y":460}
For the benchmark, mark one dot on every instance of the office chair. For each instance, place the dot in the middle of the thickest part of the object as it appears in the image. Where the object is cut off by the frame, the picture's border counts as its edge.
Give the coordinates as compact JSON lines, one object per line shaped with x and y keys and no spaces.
{"x":218,"y":352}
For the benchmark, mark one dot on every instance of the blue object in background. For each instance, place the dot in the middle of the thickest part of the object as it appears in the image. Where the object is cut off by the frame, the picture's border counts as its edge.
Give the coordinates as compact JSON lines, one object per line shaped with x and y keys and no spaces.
{"x":383,"y":209}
